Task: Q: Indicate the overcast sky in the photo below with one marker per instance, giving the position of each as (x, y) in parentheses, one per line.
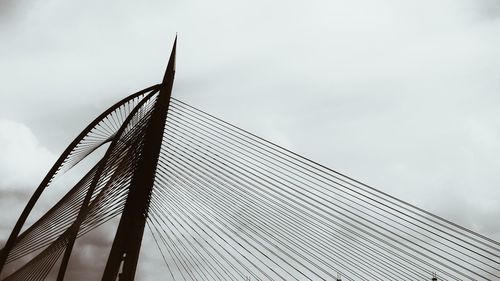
(402, 95)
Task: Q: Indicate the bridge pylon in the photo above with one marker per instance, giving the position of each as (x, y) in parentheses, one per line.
(127, 243)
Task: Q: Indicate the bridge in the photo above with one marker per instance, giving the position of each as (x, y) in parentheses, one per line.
(224, 204)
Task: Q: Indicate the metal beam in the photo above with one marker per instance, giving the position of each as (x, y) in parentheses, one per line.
(126, 246)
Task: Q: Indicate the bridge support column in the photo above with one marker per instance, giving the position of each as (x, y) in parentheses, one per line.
(127, 244)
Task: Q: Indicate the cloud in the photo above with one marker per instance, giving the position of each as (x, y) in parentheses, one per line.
(24, 161)
(7, 9)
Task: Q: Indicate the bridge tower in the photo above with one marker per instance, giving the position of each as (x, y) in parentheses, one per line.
(126, 246)
(127, 243)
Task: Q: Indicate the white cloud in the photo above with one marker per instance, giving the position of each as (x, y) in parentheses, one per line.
(23, 161)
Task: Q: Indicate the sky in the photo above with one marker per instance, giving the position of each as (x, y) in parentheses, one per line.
(402, 95)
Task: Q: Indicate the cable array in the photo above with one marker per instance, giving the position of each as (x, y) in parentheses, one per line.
(103, 130)
(52, 231)
(229, 205)
(38, 268)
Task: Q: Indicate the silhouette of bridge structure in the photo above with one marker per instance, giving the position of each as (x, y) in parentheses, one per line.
(224, 204)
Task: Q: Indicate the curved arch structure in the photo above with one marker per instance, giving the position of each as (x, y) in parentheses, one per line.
(134, 127)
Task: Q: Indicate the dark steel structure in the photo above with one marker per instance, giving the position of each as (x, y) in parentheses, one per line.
(126, 247)
(221, 203)
(127, 243)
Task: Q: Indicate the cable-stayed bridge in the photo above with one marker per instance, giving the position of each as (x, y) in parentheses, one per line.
(224, 204)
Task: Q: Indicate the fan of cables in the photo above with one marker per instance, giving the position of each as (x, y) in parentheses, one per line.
(229, 205)
(105, 186)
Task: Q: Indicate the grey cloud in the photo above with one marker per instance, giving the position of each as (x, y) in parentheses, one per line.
(8, 10)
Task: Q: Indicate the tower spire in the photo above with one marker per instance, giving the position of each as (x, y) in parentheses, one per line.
(170, 71)
(126, 247)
